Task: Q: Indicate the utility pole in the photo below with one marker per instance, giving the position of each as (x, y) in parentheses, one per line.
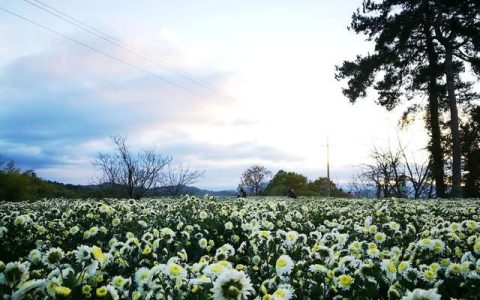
(328, 167)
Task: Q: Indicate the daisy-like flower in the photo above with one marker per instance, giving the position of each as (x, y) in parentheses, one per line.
(82, 253)
(372, 228)
(373, 252)
(404, 267)
(214, 270)
(476, 247)
(74, 229)
(203, 243)
(318, 268)
(455, 227)
(227, 249)
(101, 291)
(421, 294)
(429, 275)
(62, 291)
(389, 268)
(438, 246)
(283, 292)
(453, 269)
(380, 237)
(232, 284)
(425, 243)
(263, 234)
(174, 270)
(119, 282)
(344, 281)
(284, 265)
(229, 225)
(168, 234)
(35, 256)
(290, 238)
(116, 222)
(143, 276)
(99, 255)
(53, 257)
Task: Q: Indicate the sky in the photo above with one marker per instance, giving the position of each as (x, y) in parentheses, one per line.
(218, 85)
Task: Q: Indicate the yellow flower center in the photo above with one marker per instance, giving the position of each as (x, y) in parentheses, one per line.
(62, 291)
(101, 291)
(391, 267)
(279, 293)
(345, 280)
(218, 268)
(175, 269)
(281, 262)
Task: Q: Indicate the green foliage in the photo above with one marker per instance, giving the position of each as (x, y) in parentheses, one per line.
(23, 186)
(283, 181)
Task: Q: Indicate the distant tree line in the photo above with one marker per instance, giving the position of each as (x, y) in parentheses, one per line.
(256, 181)
(18, 185)
(123, 174)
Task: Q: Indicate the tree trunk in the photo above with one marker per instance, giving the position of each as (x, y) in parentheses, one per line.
(454, 125)
(435, 143)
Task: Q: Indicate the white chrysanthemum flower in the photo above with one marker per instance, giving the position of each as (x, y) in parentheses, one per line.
(380, 237)
(455, 227)
(429, 275)
(425, 243)
(82, 253)
(174, 270)
(202, 279)
(214, 270)
(35, 256)
(372, 228)
(318, 268)
(438, 246)
(373, 252)
(74, 229)
(53, 257)
(119, 282)
(476, 247)
(232, 284)
(283, 292)
(167, 234)
(421, 294)
(22, 220)
(203, 243)
(344, 281)
(290, 238)
(453, 270)
(93, 231)
(143, 276)
(389, 268)
(227, 249)
(264, 234)
(404, 267)
(284, 265)
(229, 225)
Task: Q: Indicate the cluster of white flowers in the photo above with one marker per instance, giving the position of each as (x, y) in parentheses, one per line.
(268, 248)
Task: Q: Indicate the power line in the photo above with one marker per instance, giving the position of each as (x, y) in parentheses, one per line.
(103, 53)
(120, 44)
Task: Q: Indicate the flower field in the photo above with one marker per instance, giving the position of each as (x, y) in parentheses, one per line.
(266, 248)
